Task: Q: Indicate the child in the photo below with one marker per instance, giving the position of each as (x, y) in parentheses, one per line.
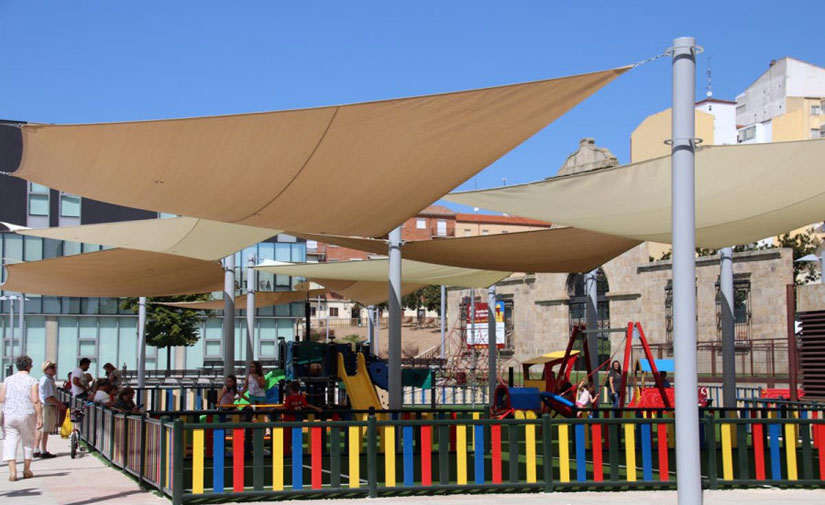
(585, 398)
(228, 394)
(296, 401)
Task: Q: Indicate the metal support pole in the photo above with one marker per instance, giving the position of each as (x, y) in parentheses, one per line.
(793, 358)
(377, 329)
(250, 313)
(141, 365)
(822, 266)
(688, 478)
(728, 337)
(591, 311)
(371, 328)
(11, 330)
(21, 323)
(308, 324)
(394, 303)
(443, 321)
(492, 349)
(228, 316)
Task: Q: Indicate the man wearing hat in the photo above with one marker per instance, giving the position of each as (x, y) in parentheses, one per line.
(51, 407)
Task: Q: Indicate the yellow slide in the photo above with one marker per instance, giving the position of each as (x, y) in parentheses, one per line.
(360, 389)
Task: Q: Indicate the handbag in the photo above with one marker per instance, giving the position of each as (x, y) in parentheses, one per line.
(66, 427)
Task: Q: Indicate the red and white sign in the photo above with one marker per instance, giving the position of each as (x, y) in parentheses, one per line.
(477, 337)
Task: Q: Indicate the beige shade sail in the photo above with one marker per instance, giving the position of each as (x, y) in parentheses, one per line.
(413, 272)
(365, 292)
(115, 273)
(182, 236)
(262, 169)
(553, 250)
(262, 299)
(744, 193)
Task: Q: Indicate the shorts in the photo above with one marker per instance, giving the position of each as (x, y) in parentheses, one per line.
(253, 399)
(49, 419)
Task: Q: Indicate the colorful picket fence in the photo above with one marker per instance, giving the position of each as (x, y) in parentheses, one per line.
(219, 456)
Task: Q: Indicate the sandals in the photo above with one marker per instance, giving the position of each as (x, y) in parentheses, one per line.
(27, 474)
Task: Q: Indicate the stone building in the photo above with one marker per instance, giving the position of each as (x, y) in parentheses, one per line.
(541, 308)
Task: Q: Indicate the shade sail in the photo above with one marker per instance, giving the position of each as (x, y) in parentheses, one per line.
(262, 169)
(413, 272)
(182, 236)
(115, 273)
(744, 193)
(365, 292)
(262, 299)
(553, 250)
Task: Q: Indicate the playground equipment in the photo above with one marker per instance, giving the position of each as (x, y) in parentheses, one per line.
(553, 391)
(360, 388)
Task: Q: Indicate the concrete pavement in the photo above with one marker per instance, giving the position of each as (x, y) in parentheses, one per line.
(86, 480)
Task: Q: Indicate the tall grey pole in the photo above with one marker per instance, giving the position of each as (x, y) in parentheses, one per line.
(591, 312)
(141, 365)
(394, 303)
(728, 337)
(688, 477)
(228, 316)
(492, 349)
(822, 266)
(371, 328)
(250, 312)
(378, 330)
(21, 323)
(11, 329)
(443, 321)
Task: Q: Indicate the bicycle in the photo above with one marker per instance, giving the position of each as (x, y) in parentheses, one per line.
(76, 415)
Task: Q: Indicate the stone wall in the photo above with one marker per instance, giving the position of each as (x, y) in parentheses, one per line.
(637, 292)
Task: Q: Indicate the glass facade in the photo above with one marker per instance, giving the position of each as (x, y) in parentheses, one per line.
(68, 328)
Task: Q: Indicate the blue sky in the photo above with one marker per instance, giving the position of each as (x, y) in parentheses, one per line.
(81, 61)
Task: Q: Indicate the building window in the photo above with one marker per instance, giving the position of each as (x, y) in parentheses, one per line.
(333, 312)
(441, 228)
(467, 232)
(816, 110)
(741, 309)
(69, 205)
(420, 224)
(485, 232)
(746, 134)
(38, 200)
(312, 311)
(814, 133)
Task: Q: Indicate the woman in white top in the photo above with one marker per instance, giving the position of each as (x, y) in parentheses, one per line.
(255, 383)
(22, 416)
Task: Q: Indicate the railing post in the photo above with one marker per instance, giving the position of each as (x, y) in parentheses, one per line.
(177, 462)
(710, 433)
(372, 457)
(125, 441)
(112, 436)
(164, 464)
(547, 451)
(142, 448)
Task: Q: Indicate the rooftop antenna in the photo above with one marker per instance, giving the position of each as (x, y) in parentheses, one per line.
(709, 87)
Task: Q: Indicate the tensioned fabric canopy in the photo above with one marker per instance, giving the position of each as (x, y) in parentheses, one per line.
(554, 250)
(262, 299)
(744, 193)
(414, 272)
(115, 273)
(261, 169)
(365, 292)
(182, 236)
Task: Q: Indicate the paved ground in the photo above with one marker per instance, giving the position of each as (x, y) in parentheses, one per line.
(87, 481)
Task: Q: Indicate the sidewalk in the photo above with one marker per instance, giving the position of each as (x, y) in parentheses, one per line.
(86, 480)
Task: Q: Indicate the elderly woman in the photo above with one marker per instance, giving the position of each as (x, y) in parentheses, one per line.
(22, 416)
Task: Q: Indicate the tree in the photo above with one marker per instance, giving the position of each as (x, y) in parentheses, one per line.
(802, 244)
(170, 326)
(428, 297)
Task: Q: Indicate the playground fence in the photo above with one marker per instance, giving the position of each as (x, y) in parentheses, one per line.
(214, 456)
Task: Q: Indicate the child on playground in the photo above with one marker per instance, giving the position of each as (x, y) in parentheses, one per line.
(585, 398)
(296, 401)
